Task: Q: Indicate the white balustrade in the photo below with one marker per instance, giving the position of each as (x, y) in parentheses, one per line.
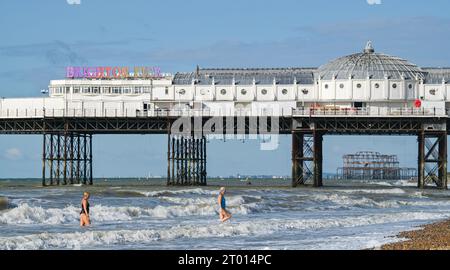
(297, 112)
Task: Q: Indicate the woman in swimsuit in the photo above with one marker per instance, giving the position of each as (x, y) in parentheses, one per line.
(223, 213)
(84, 214)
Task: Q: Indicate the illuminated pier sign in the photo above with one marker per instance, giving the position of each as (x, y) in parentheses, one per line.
(112, 72)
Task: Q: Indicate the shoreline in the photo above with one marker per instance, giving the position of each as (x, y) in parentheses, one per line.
(434, 236)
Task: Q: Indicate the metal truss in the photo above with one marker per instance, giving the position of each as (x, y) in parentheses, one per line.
(141, 125)
(370, 125)
(367, 165)
(307, 158)
(66, 159)
(432, 159)
(186, 161)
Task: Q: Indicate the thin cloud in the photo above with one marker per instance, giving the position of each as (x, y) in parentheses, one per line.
(13, 154)
(74, 2)
(374, 2)
(55, 53)
(76, 53)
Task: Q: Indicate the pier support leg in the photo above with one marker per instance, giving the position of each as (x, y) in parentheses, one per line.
(421, 160)
(318, 159)
(432, 159)
(66, 158)
(186, 161)
(298, 160)
(307, 158)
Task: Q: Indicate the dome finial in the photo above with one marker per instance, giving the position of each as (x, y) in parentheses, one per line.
(369, 47)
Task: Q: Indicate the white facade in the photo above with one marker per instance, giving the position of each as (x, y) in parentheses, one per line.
(224, 91)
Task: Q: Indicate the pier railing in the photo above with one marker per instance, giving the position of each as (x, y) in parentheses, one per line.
(371, 112)
(285, 112)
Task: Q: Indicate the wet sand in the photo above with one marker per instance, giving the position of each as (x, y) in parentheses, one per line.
(434, 236)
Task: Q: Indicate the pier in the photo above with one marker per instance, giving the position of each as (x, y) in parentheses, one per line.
(365, 93)
(68, 138)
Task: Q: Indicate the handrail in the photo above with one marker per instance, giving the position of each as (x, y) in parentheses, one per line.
(296, 112)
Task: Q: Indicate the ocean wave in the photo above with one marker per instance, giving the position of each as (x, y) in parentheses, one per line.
(159, 193)
(374, 191)
(405, 183)
(92, 239)
(339, 201)
(336, 201)
(27, 214)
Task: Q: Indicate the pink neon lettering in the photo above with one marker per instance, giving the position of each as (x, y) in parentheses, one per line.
(111, 72)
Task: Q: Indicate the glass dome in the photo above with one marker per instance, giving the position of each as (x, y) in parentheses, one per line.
(369, 64)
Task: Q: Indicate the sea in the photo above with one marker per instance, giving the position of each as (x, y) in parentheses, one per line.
(267, 215)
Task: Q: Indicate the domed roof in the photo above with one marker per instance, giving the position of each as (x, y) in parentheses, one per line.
(369, 64)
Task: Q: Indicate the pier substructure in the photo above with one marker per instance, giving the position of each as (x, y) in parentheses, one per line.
(307, 158)
(186, 161)
(432, 159)
(67, 159)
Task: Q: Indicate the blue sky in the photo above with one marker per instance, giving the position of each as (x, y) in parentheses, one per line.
(40, 38)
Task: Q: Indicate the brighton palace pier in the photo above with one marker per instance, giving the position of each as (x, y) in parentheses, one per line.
(366, 93)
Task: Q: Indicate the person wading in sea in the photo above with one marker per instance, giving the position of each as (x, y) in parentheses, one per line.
(223, 213)
(84, 214)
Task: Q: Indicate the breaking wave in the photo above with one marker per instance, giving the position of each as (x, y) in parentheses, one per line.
(375, 191)
(159, 193)
(91, 239)
(180, 207)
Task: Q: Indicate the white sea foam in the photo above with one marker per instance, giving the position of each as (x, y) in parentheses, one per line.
(26, 214)
(374, 191)
(337, 201)
(91, 239)
(405, 183)
(158, 193)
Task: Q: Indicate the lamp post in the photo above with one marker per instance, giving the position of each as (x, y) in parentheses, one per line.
(43, 92)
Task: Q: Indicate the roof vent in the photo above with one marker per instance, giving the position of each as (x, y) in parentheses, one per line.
(369, 48)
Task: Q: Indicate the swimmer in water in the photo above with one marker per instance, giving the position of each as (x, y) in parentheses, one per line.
(223, 213)
(84, 214)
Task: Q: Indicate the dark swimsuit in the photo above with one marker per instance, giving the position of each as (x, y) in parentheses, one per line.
(87, 208)
(223, 203)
